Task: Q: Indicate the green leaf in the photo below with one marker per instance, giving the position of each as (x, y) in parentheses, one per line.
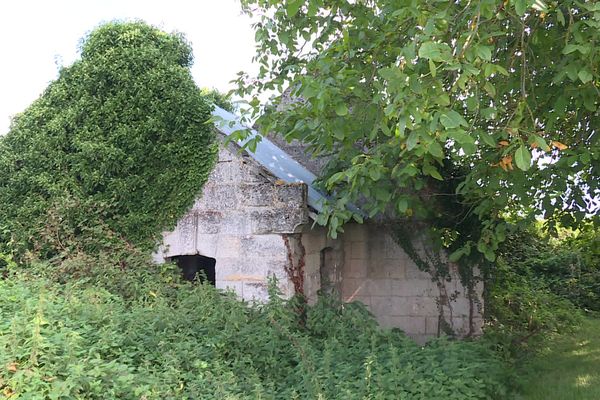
(309, 91)
(341, 109)
(461, 136)
(455, 256)
(452, 119)
(570, 48)
(436, 150)
(375, 174)
(585, 75)
(412, 140)
(430, 170)
(293, 6)
(432, 69)
(520, 7)
(402, 206)
(523, 158)
(443, 100)
(560, 17)
(490, 89)
(487, 139)
(439, 52)
(541, 143)
(484, 52)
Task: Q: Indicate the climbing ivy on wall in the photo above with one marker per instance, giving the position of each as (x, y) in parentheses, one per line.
(115, 150)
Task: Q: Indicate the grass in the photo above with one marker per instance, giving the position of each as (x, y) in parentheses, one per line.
(568, 369)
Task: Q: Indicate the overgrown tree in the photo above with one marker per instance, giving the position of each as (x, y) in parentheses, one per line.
(451, 112)
(115, 150)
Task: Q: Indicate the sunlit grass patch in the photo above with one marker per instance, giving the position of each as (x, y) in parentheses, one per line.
(569, 369)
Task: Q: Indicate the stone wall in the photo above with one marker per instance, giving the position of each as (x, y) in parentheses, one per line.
(257, 227)
(240, 220)
(374, 270)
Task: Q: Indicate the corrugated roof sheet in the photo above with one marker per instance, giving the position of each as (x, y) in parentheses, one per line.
(271, 157)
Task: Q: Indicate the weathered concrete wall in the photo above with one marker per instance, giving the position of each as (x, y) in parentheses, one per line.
(257, 227)
(374, 270)
(240, 220)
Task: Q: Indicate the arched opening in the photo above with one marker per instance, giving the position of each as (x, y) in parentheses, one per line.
(197, 266)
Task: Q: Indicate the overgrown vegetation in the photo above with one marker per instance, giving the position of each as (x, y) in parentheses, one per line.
(112, 153)
(506, 92)
(541, 287)
(147, 335)
(118, 147)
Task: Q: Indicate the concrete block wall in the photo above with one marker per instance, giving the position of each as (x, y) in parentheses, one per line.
(239, 220)
(378, 273)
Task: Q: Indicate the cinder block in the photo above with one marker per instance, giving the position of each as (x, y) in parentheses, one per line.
(314, 240)
(225, 172)
(413, 272)
(250, 172)
(225, 155)
(416, 288)
(228, 266)
(257, 194)
(290, 195)
(355, 268)
(235, 223)
(460, 306)
(206, 245)
(217, 196)
(381, 306)
(376, 269)
(182, 240)
(460, 325)
(352, 287)
(414, 306)
(393, 249)
(312, 263)
(359, 250)
(431, 325)
(209, 221)
(228, 246)
(230, 285)
(255, 291)
(281, 220)
(268, 246)
(355, 233)
(378, 287)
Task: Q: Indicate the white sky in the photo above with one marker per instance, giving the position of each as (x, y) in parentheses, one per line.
(37, 36)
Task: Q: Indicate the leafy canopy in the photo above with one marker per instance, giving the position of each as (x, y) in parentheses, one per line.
(491, 104)
(115, 149)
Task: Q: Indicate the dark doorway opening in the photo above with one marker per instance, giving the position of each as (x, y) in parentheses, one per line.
(197, 266)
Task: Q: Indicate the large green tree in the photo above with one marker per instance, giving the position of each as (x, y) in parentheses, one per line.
(115, 150)
(450, 112)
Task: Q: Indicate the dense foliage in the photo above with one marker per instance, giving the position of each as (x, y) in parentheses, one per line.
(112, 335)
(541, 286)
(568, 266)
(500, 97)
(115, 150)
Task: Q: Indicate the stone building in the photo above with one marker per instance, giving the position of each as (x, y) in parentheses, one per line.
(254, 221)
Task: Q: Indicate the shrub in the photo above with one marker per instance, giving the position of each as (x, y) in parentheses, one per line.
(150, 336)
(116, 149)
(524, 300)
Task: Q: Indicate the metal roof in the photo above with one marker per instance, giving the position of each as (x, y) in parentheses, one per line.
(271, 157)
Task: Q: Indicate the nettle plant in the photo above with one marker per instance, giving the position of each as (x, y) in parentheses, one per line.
(452, 113)
(114, 151)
